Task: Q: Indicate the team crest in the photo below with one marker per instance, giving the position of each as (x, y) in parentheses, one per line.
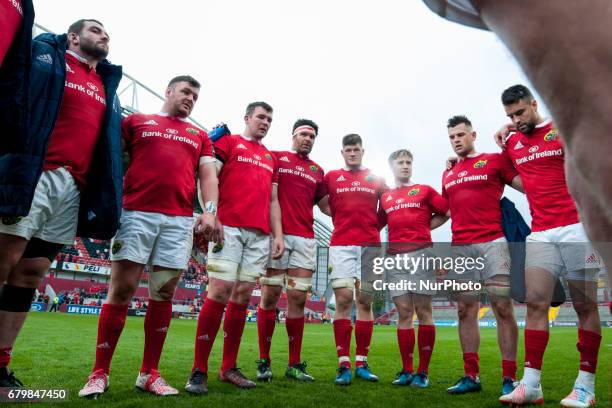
(313, 168)
(480, 164)
(193, 131)
(552, 135)
(117, 245)
(370, 178)
(11, 220)
(218, 247)
(413, 192)
(268, 156)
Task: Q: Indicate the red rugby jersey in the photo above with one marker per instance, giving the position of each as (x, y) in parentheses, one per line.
(300, 186)
(165, 154)
(408, 211)
(474, 187)
(11, 16)
(540, 159)
(245, 182)
(353, 201)
(78, 124)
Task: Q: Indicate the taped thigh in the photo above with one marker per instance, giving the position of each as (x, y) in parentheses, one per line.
(158, 279)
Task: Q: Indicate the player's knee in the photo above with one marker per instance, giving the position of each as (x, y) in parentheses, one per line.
(296, 298)
(467, 310)
(166, 292)
(584, 308)
(121, 292)
(424, 315)
(242, 292)
(503, 308)
(219, 290)
(162, 283)
(269, 300)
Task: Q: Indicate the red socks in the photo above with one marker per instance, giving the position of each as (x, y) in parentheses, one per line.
(156, 324)
(363, 337)
(295, 332)
(209, 321)
(110, 326)
(588, 346)
(509, 369)
(535, 345)
(405, 340)
(5, 356)
(470, 364)
(342, 334)
(427, 339)
(266, 320)
(233, 326)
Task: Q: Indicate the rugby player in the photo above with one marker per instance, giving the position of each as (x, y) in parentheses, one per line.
(354, 194)
(573, 73)
(474, 187)
(411, 211)
(68, 173)
(249, 212)
(557, 246)
(300, 186)
(156, 227)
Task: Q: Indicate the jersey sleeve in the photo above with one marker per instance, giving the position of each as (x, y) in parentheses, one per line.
(275, 171)
(381, 214)
(207, 152)
(223, 148)
(444, 192)
(127, 133)
(437, 203)
(507, 170)
(321, 189)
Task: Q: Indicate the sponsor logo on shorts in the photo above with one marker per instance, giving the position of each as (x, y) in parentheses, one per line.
(414, 192)
(11, 220)
(313, 168)
(268, 156)
(117, 245)
(533, 149)
(330, 268)
(480, 164)
(192, 131)
(552, 135)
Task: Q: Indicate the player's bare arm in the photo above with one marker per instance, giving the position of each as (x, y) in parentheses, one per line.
(278, 241)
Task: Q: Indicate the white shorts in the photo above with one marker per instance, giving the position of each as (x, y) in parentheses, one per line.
(563, 250)
(243, 255)
(54, 214)
(418, 275)
(353, 262)
(299, 252)
(487, 259)
(156, 239)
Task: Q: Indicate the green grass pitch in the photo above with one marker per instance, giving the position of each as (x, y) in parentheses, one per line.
(56, 351)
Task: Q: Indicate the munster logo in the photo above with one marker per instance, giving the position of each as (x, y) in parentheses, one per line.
(268, 156)
(193, 131)
(552, 135)
(480, 164)
(313, 168)
(413, 192)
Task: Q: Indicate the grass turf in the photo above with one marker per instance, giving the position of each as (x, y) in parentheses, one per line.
(56, 351)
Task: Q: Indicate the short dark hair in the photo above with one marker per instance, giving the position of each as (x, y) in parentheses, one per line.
(351, 139)
(184, 78)
(305, 122)
(515, 93)
(78, 25)
(457, 120)
(254, 105)
(399, 153)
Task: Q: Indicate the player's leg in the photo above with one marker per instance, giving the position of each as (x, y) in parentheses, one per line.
(574, 84)
(468, 307)
(222, 268)
(426, 338)
(298, 284)
(253, 265)
(271, 288)
(364, 328)
(170, 256)
(543, 265)
(405, 336)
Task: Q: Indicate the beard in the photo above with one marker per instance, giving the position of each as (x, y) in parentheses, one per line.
(90, 48)
(527, 128)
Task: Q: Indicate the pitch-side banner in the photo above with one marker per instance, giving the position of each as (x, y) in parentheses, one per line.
(79, 309)
(95, 269)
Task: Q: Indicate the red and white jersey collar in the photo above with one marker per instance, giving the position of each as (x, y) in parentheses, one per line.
(167, 115)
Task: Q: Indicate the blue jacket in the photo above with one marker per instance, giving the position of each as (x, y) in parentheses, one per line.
(21, 163)
(516, 231)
